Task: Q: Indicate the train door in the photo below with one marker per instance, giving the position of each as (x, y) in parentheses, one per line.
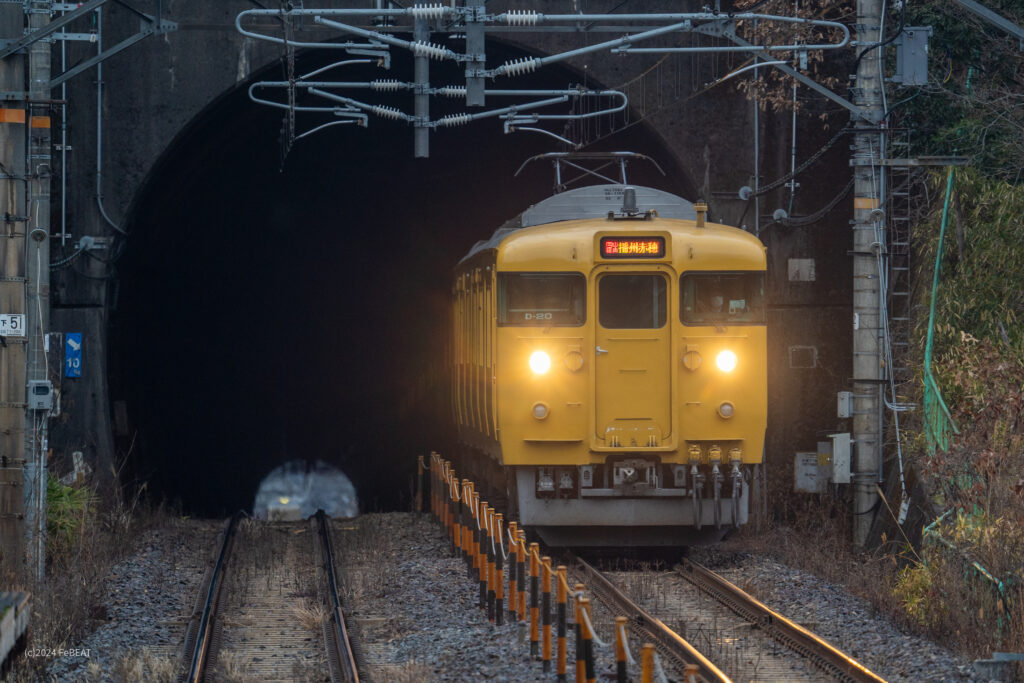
(633, 397)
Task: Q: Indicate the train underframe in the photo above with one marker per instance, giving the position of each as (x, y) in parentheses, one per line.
(633, 500)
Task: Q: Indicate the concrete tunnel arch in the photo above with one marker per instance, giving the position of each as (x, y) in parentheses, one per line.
(265, 315)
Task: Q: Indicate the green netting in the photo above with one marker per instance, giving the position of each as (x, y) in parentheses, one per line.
(938, 423)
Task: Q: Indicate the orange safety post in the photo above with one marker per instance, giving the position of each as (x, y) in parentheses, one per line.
(481, 556)
(534, 600)
(474, 531)
(467, 540)
(499, 570)
(440, 490)
(450, 504)
(545, 612)
(437, 489)
(513, 556)
(449, 512)
(456, 515)
(562, 595)
(588, 640)
(433, 487)
(521, 574)
(581, 667)
(492, 591)
(620, 649)
(467, 518)
(647, 663)
(577, 594)
(457, 521)
(419, 483)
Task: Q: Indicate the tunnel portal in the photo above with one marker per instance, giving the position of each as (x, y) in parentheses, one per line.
(267, 313)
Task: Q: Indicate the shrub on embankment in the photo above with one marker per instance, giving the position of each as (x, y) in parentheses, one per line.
(966, 585)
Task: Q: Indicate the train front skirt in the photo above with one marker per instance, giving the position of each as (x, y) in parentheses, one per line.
(603, 517)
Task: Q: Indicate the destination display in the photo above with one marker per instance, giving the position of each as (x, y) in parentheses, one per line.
(632, 247)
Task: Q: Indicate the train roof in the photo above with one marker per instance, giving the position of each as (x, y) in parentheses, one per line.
(592, 201)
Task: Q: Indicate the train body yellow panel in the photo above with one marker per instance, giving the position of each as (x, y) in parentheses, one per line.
(610, 371)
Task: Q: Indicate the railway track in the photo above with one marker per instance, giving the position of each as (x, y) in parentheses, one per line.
(816, 650)
(269, 607)
(720, 629)
(669, 644)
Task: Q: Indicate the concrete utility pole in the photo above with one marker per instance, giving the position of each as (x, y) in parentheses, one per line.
(421, 100)
(37, 253)
(867, 334)
(13, 193)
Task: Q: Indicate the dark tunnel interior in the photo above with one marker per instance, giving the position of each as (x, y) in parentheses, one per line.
(265, 315)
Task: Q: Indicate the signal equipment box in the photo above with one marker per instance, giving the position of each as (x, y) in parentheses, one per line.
(40, 394)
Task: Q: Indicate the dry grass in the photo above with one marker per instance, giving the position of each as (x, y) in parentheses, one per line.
(70, 601)
(310, 616)
(144, 666)
(368, 569)
(232, 667)
(823, 546)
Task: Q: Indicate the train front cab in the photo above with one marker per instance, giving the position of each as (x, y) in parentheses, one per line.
(674, 361)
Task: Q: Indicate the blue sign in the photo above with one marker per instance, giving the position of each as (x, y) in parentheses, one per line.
(73, 354)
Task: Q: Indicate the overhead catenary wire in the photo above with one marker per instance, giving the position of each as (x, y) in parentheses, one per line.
(820, 213)
(779, 182)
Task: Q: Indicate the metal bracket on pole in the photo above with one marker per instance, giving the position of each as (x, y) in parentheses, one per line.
(153, 27)
(53, 26)
(867, 115)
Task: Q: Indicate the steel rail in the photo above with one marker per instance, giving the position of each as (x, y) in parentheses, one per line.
(820, 652)
(339, 647)
(204, 634)
(666, 641)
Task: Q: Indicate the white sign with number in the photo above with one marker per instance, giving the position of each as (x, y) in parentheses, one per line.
(12, 325)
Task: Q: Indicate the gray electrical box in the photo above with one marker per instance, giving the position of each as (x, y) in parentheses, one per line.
(912, 55)
(40, 394)
(840, 458)
(811, 471)
(844, 407)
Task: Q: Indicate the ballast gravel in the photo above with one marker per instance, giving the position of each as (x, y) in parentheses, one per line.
(412, 610)
(846, 621)
(149, 597)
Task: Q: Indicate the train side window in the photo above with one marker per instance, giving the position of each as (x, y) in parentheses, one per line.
(722, 298)
(635, 301)
(542, 299)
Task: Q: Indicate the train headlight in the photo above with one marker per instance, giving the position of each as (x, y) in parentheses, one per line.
(540, 410)
(726, 361)
(726, 410)
(540, 362)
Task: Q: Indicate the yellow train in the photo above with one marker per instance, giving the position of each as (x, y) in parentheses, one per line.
(609, 362)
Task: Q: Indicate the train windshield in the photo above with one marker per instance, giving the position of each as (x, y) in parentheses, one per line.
(542, 299)
(722, 298)
(633, 302)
